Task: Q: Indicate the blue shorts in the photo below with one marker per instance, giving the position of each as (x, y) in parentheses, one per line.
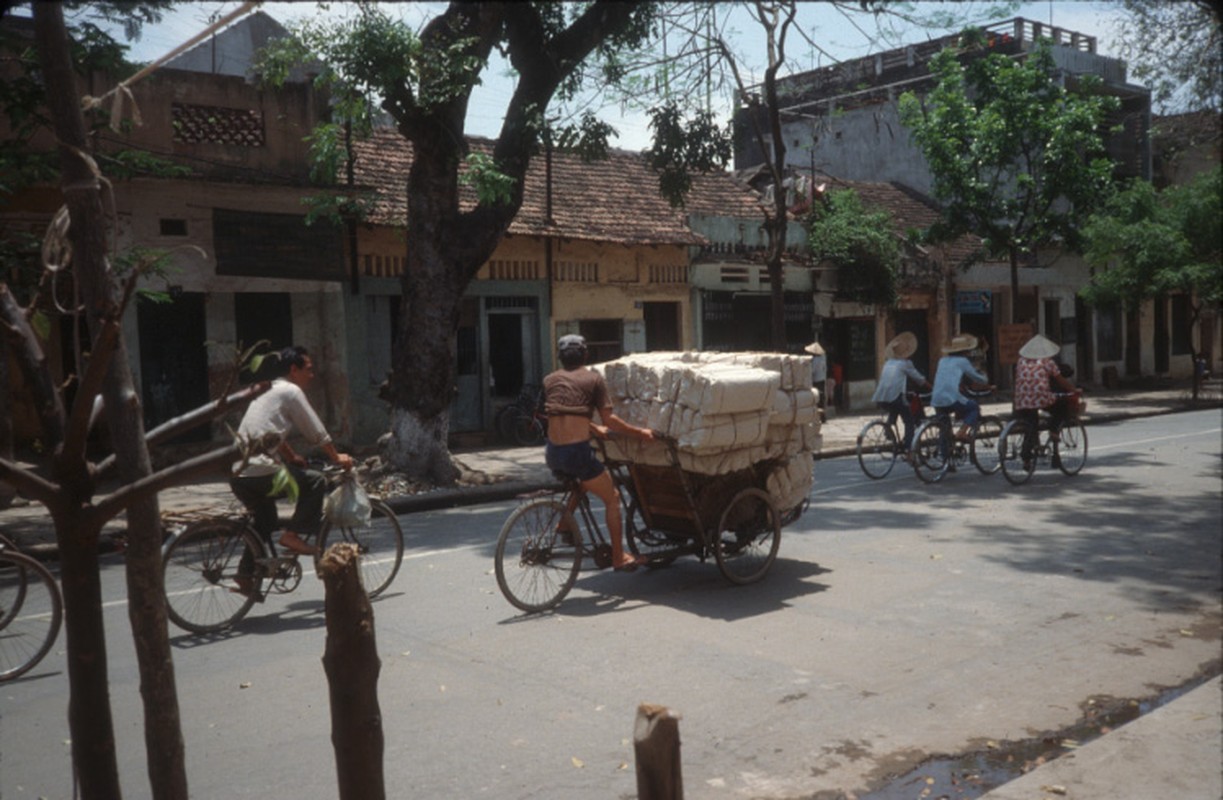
(575, 460)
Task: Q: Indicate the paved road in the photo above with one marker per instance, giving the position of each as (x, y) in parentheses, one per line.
(900, 621)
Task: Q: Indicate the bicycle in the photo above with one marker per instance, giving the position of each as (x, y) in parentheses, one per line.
(1062, 442)
(936, 451)
(880, 443)
(217, 568)
(524, 421)
(541, 547)
(31, 611)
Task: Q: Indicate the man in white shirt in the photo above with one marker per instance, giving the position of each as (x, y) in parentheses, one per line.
(282, 410)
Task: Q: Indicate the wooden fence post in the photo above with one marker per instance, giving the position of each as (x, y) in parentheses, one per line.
(351, 662)
(656, 746)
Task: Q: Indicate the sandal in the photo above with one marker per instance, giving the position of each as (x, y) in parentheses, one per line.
(294, 544)
(631, 565)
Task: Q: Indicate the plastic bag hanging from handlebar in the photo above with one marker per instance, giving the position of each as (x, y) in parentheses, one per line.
(347, 505)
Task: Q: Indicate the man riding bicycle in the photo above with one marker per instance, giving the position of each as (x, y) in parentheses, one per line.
(280, 411)
(571, 396)
(898, 370)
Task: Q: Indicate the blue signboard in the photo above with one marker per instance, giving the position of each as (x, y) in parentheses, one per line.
(978, 301)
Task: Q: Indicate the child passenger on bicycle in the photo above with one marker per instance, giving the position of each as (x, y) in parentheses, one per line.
(572, 395)
(954, 369)
(1036, 373)
(898, 370)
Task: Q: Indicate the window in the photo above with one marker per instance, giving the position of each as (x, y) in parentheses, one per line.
(261, 244)
(215, 125)
(603, 339)
(173, 227)
(1109, 329)
(1182, 344)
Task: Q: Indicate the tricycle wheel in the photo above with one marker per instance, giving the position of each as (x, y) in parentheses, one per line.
(748, 535)
(642, 541)
(539, 553)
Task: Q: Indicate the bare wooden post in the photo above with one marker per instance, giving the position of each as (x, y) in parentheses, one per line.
(656, 745)
(351, 662)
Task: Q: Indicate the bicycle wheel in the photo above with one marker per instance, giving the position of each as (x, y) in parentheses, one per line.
(877, 449)
(748, 536)
(538, 555)
(528, 429)
(33, 622)
(931, 450)
(984, 447)
(504, 422)
(379, 545)
(1015, 467)
(1071, 448)
(204, 567)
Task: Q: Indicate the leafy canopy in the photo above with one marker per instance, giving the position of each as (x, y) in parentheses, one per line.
(862, 243)
(1145, 243)
(1176, 48)
(1017, 158)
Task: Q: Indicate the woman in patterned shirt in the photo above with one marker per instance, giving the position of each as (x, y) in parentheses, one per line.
(1036, 374)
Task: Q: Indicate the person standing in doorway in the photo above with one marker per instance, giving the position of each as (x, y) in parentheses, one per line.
(819, 374)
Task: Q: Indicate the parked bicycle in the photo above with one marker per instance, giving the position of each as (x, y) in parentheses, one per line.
(1061, 442)
(31, 611)
(524, 421)
(880, 443)
(937, 451)
(217, 568)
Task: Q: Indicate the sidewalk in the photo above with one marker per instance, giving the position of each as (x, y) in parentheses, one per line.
(1174, 751)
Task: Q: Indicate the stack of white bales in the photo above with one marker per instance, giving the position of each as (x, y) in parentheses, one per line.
(727, 411)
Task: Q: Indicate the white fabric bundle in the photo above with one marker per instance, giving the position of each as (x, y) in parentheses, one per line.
(726, 411)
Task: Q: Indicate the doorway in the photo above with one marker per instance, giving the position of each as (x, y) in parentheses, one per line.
(173, 361)
(661, 326)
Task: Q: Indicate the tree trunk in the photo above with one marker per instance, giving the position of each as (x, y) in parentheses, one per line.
(163, 733)
(351, 662)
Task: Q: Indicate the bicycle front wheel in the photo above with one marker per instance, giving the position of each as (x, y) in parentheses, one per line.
(931, 451)
(1016, 467)
(1071, 448)
(539, 553)
(211, 578)
(984, 447)
(877, 449)
(379, 546)
(32, 614)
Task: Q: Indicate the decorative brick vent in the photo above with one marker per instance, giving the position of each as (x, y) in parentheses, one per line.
(215, 125)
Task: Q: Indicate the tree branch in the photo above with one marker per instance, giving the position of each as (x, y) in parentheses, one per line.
(33, 364)
(30, 485)
(200, 466)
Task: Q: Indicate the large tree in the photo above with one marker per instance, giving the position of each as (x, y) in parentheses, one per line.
(1145, 244)
(1016, 154)
(424, 82)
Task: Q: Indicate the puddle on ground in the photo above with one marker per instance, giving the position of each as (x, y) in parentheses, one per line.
(973, 774)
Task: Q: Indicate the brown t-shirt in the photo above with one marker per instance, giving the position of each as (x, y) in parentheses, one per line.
(579, 391)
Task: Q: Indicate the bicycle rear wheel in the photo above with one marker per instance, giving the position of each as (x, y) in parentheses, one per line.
(539, 553)
(931, 450)
(33, 620)
(1071, 448)
(748, 536)
(528, 429)
(984, 447)
(379, 545)
(211, 578)
(877, 449)
(1015, 467)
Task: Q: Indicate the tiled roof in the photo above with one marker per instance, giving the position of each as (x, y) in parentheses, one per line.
(611, 200)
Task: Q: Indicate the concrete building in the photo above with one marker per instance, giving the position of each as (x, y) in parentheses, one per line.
(843, 121)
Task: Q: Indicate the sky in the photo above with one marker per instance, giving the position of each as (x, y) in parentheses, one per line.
(839, 36)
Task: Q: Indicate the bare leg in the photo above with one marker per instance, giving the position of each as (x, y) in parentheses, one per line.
(602, 487)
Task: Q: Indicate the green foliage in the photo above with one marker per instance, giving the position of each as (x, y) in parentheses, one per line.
(284, 485)
(683, 146)
(863, 245)
(1176, 48)
(491, 186)
(1145, 244)
(137, 163)
(588, 138)
(1017, 159)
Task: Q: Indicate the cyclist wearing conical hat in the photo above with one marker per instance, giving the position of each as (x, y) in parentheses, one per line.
(954, 369)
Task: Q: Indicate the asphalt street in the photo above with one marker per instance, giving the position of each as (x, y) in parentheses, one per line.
(901, 622)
